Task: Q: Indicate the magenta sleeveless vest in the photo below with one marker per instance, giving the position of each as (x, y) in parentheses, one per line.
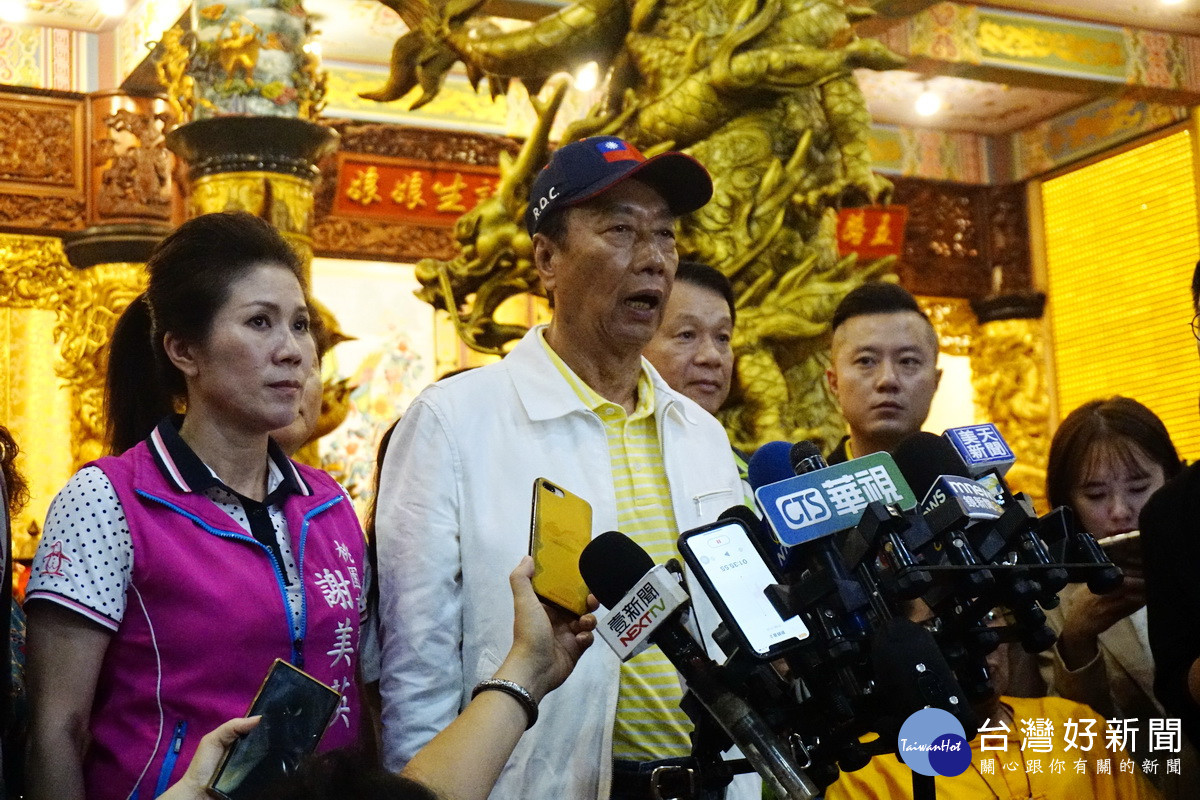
(206, 617)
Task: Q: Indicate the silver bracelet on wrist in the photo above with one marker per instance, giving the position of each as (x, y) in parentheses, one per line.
(514, 690)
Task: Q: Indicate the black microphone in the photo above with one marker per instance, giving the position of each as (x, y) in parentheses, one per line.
(613, 566)
(987, 457)
(957, 505)
(975, 530)
(911, 673)
(952, 503)
(806, 457)
(745, 514)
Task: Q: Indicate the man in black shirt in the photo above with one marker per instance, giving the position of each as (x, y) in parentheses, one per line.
(1170, 525)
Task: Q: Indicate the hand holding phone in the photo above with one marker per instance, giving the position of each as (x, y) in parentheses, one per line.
(1124, 549)
(560, 529)
(295, 709)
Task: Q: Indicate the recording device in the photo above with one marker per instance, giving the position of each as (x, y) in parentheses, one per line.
(651, 600)
(953, 504)
(1004, 538)
(848, 555)
(968, 546)
(735, 576)
(615, 567)
(561, 526)
(295, 708)
(844, 578)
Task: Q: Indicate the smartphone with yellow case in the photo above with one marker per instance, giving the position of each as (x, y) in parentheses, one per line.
(561, 527)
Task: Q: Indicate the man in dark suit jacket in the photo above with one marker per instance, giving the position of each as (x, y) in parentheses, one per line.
(1170, 524)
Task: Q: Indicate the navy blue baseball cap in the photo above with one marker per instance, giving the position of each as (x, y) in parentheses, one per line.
(581, 170)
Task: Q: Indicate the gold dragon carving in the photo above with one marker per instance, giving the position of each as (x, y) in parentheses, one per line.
(35, 273)
(1008, 375)
(1008, 382)
(83, 331)
(170, 66)
(760, 91)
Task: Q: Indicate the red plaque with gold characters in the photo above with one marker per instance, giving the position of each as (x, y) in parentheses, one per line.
(872, 231)
(404, 190)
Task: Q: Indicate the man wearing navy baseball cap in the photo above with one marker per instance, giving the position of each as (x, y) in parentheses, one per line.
(574, 402)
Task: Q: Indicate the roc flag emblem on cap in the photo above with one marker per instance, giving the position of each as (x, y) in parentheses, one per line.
(581, 170)
(618, 150)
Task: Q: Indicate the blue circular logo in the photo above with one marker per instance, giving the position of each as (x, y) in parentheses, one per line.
(932, 742)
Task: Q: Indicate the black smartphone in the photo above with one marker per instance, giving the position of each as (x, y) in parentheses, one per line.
(296, 708)
(735, 575)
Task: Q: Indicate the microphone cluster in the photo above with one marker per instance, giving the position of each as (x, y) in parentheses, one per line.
(880, 573)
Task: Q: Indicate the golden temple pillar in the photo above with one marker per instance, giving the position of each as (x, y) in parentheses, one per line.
(1008, 374)
(36, 285)
(263, 165)
(254, 91)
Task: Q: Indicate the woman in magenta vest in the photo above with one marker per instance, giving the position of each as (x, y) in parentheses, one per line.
(171, 574)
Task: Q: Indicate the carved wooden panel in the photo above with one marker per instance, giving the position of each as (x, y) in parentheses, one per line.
(353, 238)
(391, 241)
(423, 144)
(43, 140)
(29, 212)
(129, 160)
(1007, 237)
(41, 160)
(958, 235)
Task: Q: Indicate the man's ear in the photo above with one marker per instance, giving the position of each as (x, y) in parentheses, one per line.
(544, 249)
(832, 380)
(181, 353)
(937, 378)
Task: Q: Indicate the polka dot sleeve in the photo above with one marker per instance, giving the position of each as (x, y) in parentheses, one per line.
(85, 559)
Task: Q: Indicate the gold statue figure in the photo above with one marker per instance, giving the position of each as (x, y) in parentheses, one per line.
(312, 87)
(760, 91)
(1009, 380)
(171, 69)
(239, 51)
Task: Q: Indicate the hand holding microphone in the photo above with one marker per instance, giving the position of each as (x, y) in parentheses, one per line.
(624, 579)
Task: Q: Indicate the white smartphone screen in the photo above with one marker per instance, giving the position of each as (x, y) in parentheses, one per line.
(739, 576)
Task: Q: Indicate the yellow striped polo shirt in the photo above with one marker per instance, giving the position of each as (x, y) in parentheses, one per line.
(649, 724)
